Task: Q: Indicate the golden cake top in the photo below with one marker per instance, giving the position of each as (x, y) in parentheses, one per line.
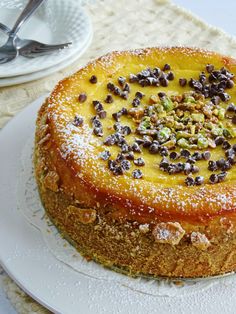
(157, 126)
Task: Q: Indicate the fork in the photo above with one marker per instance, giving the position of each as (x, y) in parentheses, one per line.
(31, 48)
(8, 51)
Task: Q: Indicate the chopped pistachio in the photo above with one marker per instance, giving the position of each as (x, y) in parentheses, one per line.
(183, 134)
(183, 143)
(192, 129)
(226, 133)
(164, 134)
(170, 144)
(159, 108)
(221, 114)
(167, 104)
(217, 131)
(198, 117)
(190, 99)
(202, 142)
(145, 123)
(154, 99)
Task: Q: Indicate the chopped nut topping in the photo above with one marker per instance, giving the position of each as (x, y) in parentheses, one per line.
(51, 181)
(168, 232)
(200, 241)
(84, 215)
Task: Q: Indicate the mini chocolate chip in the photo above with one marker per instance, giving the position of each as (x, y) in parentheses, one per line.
(121, 80)
(194, 169)
(137, 174)
(154, 148)
(209, 68)
(213, 178)
(189, 181)
(98, 131)
(163, 151)
(120, 157)
(93, 79)
(130, 156)
(133, 78)
(105, 155)
(199, 180)
(202, 78)
(97, 105)
(164, 164)
(226, 145)
(234, 147)
(96, 122)
(139, 162)
(185, 153)
(174, 155)
(110, 87)
(231, 160)
(187, 168)
(230, 84)
(156, 72)
(224, 96)
(102, 114)
(136, 148)
(110, 140)
(124, 95)
(222, 176)
(170, 76)
(219, 140)
(126, 88)
(220, 163)
(164, 82)
(109, 99)
(166, 67)
(139, 141)
(227, 165)
(139, 95)
(230, 153)
(78, 121)
(82, 97)
(126, 130)
(116, 116)
(117, 91)
(147, 141)
(197, 156)
(124, 111)
(212, 166)
(125, 164)
(118, 170)
(231, 108)
(136, 102)
(215, 100)
(161, 95)
(191, 160)
(234, 119)
(182, 82)
(125, 148)
(206, 155)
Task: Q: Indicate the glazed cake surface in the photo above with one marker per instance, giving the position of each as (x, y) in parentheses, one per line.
(134, 160)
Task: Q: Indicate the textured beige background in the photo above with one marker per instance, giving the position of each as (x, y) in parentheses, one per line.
(117, 25)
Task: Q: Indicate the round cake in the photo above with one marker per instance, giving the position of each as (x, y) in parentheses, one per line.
(135, 161)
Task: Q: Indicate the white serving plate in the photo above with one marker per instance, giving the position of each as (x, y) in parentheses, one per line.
(54, 22)
(9, 81)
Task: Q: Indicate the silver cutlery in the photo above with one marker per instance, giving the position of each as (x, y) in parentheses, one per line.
(32, 48)
(9, 51)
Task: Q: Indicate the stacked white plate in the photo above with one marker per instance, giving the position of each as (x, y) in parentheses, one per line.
(54, 22)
